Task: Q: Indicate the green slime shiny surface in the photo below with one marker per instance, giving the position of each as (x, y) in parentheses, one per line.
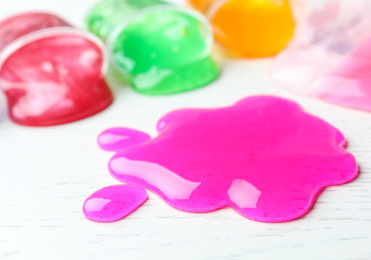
(164, 52)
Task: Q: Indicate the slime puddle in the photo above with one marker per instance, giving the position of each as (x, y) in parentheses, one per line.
(264, 157)
(113, 203)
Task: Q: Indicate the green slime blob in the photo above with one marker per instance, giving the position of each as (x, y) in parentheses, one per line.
(163, 50)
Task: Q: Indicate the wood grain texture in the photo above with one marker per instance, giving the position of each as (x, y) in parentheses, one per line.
(46, 173)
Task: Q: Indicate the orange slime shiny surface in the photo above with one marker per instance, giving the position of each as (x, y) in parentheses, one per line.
(250, 28)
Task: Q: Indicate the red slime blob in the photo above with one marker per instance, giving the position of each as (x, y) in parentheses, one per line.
(54, 76)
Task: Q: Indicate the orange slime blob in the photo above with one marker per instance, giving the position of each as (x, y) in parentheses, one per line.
(250, 28)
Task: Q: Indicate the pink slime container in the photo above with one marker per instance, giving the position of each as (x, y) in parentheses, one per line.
(52, 75)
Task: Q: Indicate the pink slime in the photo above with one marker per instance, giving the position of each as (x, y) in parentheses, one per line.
(349, 84)
(113, 203)
(264, 157)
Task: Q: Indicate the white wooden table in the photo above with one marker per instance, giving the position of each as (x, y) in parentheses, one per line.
(46, 174)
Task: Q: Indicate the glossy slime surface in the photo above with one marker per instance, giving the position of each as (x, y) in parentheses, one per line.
(165, 52)
(264, 157)
(254, 28)
(113, 203)
(22, 24)
(55, 80)
(330, 56)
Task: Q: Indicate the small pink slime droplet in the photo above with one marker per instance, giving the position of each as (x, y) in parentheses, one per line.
(116, 138)
(113, 203)
(264, 157)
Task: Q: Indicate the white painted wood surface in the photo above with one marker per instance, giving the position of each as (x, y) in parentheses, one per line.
(46, 173)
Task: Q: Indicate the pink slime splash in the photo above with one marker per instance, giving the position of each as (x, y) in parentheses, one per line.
(22, 24)
(330, 55)
(55, 78)
(264, 157)
(113, 203)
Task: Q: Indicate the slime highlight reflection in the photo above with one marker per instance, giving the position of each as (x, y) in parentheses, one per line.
(264, 157)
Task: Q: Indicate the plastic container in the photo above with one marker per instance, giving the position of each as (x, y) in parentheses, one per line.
(163, 49)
